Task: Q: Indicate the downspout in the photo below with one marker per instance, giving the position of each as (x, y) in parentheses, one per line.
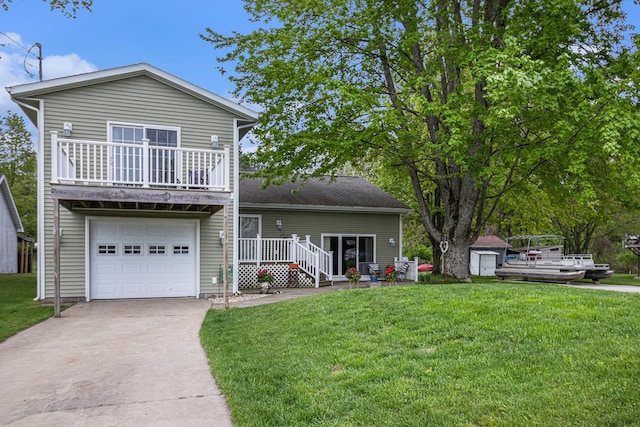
(236, 198)
(40, 291)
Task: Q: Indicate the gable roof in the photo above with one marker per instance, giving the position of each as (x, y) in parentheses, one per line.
(489, 242)
(5, 193)
(343, 193)
(30, 90)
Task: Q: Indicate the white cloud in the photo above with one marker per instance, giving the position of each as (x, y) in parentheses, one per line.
(65, 65)
(18, 67)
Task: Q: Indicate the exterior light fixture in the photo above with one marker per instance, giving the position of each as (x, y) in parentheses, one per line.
(67, 127)
(279, 224)
(392, 241)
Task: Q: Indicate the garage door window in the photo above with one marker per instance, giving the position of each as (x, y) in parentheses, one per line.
(156, 250)
(106, 249)
(132, 250)
(181, 250)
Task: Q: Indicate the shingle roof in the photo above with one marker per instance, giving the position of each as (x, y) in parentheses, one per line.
(489, 242)
(6, 193)
(342, 192)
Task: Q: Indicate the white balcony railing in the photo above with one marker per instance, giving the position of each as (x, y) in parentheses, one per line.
(310, 258)
(85, 162)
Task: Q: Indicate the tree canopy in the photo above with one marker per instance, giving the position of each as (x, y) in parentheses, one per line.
(464, 100)
(69, 8)
(18, 164)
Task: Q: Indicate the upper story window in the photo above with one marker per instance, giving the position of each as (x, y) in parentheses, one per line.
(127, 162)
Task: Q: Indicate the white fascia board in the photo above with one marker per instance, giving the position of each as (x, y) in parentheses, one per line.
(274, 206)
(111, 74)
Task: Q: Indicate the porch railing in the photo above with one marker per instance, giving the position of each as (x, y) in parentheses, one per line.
(310, 258)
(86, 162)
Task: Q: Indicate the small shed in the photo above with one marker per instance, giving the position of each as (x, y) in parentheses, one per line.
(491, 243)
(483, 263)
(10, 226)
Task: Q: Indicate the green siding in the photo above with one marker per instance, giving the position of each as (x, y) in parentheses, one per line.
(316, 223)
(138, 100)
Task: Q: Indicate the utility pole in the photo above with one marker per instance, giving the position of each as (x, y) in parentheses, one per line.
(39, 46)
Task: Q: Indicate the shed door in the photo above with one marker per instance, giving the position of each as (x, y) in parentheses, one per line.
(487, 265)
(143, 258)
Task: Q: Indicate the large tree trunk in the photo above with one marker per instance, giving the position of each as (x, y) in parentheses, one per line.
(456, 259)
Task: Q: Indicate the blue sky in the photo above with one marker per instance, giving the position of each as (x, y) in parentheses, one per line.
(164, 33)
(116, 33)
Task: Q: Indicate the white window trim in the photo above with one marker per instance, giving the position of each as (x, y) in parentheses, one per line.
(258, 216)
(357, 236)
(111, 124)
(144, 127)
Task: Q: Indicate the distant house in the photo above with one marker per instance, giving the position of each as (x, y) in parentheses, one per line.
(348, 218)
(491, 243)
(10, 226)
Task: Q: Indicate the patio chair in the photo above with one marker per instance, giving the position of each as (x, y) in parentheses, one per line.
(402, 271)
(197, 177)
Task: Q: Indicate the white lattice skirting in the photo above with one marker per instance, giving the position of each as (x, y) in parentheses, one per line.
(248, 276)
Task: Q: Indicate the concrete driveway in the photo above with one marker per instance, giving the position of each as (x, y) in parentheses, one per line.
(107, 363)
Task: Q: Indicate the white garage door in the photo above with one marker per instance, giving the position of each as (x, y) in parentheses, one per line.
(143, 258)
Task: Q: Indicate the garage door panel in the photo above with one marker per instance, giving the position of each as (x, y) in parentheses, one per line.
(158, 269)
(132, 230)
(157, 231)
(106, 230)
(106, 269)
(154, 259)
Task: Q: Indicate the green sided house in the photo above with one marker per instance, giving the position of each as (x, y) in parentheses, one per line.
(334, 224)
(137, 172)
(135, 167)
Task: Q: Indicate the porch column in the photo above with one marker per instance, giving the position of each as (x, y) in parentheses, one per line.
(317, 268)
(258, 250)
(225, 256)
(145, 162)
(54, 156)
(56, 258)
(227, 168)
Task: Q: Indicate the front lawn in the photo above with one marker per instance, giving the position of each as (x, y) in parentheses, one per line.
(18, 310)
(492, 354)
(618, 279)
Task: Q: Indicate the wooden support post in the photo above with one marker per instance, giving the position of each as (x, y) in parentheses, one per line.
(225, 255)
(56, 258)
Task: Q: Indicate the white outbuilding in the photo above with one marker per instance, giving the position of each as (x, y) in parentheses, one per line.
(10, 226)
(483, 263)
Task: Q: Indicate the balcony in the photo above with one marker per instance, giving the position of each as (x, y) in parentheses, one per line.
(138, 175)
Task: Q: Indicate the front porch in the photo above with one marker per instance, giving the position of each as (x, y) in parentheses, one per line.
(293, 262)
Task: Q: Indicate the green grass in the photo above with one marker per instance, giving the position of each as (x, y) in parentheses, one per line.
(493, 354)
(18, 310)
(618, 279)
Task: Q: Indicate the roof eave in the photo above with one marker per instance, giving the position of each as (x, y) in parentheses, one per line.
(30, 90)
(326, 208)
